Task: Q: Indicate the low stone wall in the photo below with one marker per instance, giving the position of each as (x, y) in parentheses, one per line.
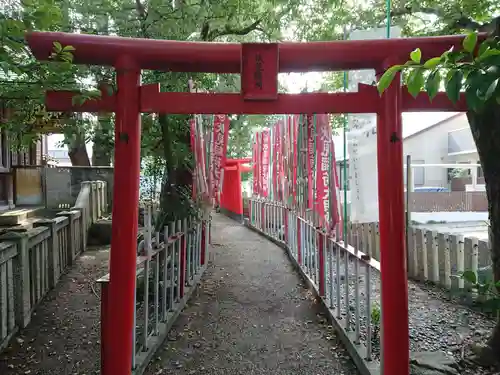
(432, 256)
(62, 184)
(32, 261)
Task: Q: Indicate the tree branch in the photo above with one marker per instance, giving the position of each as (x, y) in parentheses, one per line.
(409, 10)
(461, 23)
(211, 35)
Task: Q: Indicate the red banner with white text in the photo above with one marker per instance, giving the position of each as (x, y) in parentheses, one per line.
(219, 150)
(266, 149)
(255, 166)
(294, 162)
(310, 159)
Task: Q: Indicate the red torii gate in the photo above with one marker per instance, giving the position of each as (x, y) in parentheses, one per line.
(231, 194)
(259, 65)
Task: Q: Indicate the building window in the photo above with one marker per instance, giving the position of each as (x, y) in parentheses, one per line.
(480, 173)
(418, 173)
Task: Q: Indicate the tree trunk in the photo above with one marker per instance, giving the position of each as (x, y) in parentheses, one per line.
(486, 133)
(77, 150)
(79, 156)
(177, 180)
(102, 150)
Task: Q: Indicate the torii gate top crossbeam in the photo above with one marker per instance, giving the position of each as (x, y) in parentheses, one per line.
(168, 55)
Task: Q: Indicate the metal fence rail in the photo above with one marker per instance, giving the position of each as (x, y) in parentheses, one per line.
(345, 278)
(168, 270)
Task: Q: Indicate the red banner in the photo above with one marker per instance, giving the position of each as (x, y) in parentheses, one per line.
(274, 170)
(266, 139)
(335, 200)
(295, 157)
(289, 160)
(310, 159)
(259, 164)
(192, 127)
(221, 134)
(323, 140)
(255, 166)
(279, 160)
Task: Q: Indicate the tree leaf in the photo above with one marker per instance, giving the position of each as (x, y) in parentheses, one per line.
(432, 84)
(470, 277)
(432, 63)
(415, 81)
(454, 84)
(469, 42)
(57, 47)
(69, 48)
(483, 47)
(491, 89)
(473, 99)
(416, 55)
(488, 53)
(386, 79)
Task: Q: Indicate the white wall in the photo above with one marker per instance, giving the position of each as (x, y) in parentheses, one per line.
(471, 158)
(431, 147)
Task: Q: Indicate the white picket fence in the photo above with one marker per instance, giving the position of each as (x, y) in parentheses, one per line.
(432, 256)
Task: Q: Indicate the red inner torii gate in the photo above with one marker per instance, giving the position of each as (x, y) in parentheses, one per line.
(259, 65)
(231, 194)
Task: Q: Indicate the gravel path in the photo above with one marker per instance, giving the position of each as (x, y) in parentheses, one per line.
(436, 322)
(252, 315)
(63, 335)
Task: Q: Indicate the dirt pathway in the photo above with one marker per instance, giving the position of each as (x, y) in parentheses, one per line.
(63, 335)
(252, 315)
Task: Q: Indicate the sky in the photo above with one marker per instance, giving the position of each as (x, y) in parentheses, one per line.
(413, 122)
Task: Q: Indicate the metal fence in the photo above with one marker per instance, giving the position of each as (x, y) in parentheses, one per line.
(345, 277)
(168, 270)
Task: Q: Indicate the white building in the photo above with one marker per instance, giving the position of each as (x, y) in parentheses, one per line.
(447, 141)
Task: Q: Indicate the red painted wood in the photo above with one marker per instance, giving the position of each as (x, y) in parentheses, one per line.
(259, 71)
(168, 55)
(394, 281)
(62, 101)
(105, 328)
(125, 219)
(231, 197)
(236, 161)
(152, 101)
(187, 103)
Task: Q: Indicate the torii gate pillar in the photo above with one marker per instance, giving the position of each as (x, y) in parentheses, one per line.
(125, 218)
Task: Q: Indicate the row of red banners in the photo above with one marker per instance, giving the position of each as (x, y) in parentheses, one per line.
(300, 152)
(209, 149)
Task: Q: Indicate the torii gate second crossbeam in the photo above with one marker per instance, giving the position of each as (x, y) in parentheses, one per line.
(259, 65)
